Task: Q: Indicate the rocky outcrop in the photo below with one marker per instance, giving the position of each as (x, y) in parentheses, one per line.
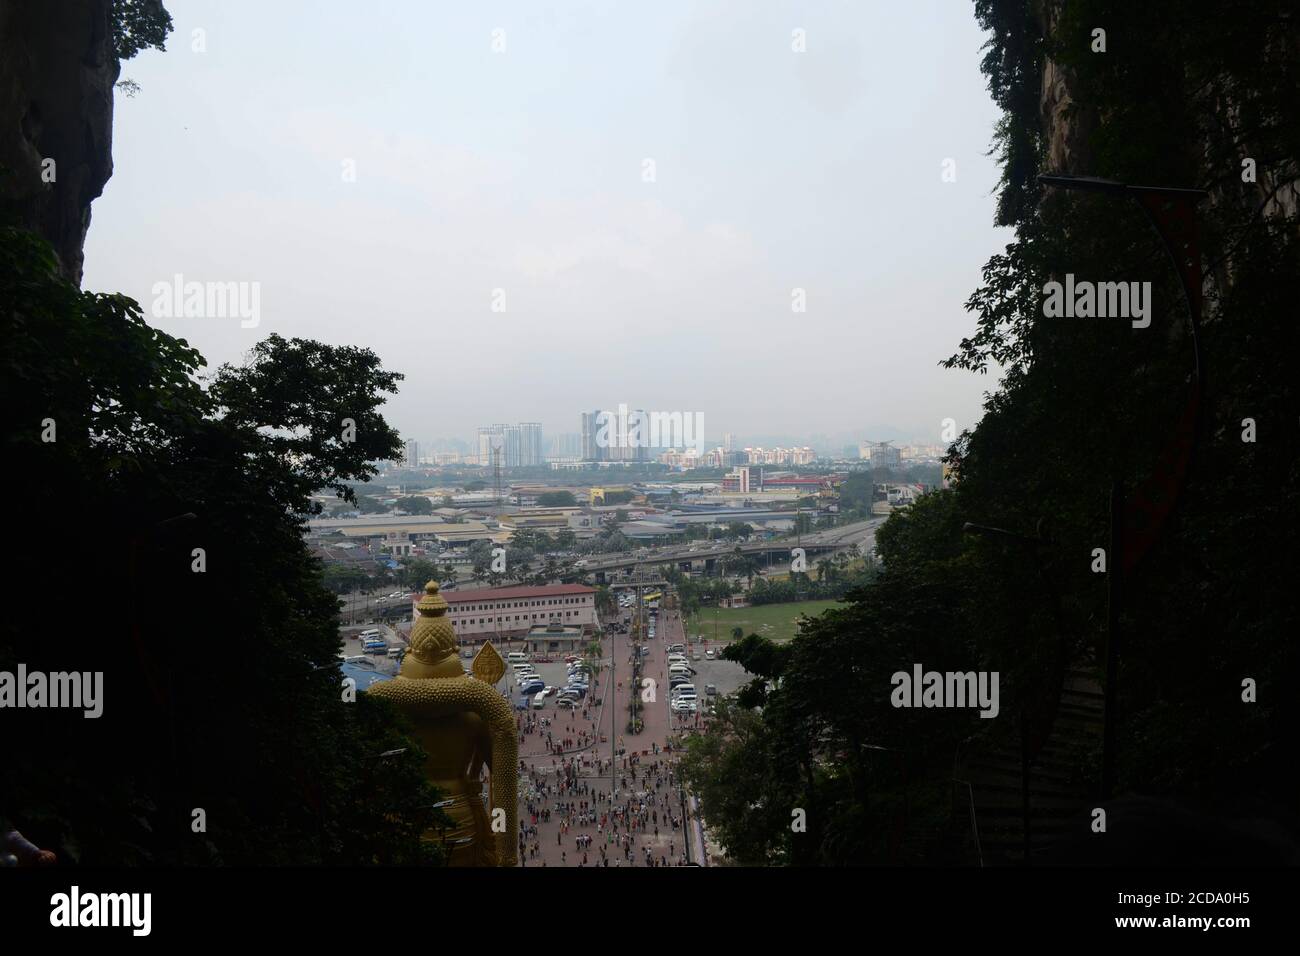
(57, 70)
(1064, 127)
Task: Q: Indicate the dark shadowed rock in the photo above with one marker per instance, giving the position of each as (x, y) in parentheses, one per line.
(57, 70)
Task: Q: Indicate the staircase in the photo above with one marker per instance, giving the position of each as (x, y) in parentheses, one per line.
(1057, 797)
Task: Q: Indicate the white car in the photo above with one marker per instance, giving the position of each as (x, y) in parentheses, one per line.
(684, 706)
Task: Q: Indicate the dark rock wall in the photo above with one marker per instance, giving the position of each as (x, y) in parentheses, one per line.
(57, 70)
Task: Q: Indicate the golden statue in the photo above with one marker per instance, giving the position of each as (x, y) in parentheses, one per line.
(463, 723)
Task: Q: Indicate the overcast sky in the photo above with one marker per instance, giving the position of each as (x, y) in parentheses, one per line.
(525, 170)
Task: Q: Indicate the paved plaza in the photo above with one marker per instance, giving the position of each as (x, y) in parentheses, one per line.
(591, 794)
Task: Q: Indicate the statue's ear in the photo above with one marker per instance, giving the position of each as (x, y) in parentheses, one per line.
(488, 665)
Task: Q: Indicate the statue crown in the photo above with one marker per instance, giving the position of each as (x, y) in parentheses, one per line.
(432, 636)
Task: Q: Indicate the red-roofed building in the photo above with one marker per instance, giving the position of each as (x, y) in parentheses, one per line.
(513, 611)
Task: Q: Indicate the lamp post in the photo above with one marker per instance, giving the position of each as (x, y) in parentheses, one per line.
(1135, 524)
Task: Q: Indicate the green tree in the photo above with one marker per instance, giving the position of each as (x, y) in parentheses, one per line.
(557, 499)
(415, 505)
(204, 487)
(416, 572)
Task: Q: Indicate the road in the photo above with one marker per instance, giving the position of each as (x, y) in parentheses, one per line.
(856, 533)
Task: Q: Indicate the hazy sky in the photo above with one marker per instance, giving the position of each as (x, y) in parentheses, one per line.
(524, 170)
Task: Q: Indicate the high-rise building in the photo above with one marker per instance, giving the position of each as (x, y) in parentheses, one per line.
(566, 446)
(620, 434)
(530, 444)
(882, 454)
(510, 441)
(412, 454)
(738, 480)
(491, 445)
(510, 446)
(591, 450)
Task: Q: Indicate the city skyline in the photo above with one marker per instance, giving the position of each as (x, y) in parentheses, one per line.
(732, 226)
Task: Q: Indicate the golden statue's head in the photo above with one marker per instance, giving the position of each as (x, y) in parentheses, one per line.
(432, 651)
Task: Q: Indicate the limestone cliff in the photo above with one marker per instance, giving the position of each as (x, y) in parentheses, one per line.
(1067, 124)
(57, 70)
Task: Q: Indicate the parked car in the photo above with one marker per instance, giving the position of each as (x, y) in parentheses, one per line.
(539, 701)
(528, 690)
(678, 679)
(709, 655)
(570, 702)
(683, 706)
(710, 690)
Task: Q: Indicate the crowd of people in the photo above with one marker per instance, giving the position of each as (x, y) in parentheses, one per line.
(566, 779)
(572, 794)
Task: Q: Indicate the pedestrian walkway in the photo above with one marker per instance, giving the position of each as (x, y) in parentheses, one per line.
(616, 801)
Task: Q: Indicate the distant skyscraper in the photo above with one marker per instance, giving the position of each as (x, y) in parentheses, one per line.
(566, 445)
(515, 445)
(412, 454)
(510, 442)
(728, 440)
(488, 436)
(530, 444)
(883, 454)
(591, 451)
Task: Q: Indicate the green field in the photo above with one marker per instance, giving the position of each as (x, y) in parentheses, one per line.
(775, 621)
